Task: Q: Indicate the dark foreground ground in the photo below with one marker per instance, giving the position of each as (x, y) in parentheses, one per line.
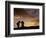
(32, 27)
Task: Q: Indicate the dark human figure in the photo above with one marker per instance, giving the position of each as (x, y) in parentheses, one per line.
(22, 23)
(18, 24)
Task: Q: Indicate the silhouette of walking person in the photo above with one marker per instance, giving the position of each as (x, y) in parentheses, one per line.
(22, 24)
(18, 24)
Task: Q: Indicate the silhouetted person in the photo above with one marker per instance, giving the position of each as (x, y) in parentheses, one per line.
(22, 23)
(18, 24)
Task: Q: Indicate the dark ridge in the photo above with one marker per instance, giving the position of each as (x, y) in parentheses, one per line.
(32, 27)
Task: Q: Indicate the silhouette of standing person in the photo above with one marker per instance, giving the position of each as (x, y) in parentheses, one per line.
(18, 24)
(22, 24)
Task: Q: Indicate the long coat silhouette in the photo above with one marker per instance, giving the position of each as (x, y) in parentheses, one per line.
(22, 23)
(18, 24)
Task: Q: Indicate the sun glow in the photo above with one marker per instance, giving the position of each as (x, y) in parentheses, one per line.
(27, 24)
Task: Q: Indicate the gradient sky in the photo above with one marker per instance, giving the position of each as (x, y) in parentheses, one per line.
(28, 12)
(29, 16)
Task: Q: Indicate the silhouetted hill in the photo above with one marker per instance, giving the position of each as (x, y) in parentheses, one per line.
(32, 27)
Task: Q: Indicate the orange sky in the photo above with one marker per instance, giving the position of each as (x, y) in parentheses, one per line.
(28, 21)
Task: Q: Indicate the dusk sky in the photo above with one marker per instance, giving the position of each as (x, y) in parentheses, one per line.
(28, 12)
(29, 16)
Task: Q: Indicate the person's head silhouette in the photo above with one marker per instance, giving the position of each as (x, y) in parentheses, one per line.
(18, 21)
(22, 21)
